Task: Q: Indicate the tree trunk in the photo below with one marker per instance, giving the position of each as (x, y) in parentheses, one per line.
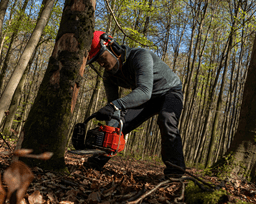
(58, 92)
(24, 59)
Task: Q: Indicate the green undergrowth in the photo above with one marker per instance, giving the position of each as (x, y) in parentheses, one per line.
(137, 157)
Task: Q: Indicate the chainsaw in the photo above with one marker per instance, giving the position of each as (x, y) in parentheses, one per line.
(103, 140)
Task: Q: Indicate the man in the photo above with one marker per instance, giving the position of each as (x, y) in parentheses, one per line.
(156, 89)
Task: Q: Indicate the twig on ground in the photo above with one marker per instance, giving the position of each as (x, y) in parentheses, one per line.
(182, 193)
(54, 185)
(137, 195)
(91, 179)
(69, 182)
(149, 192)
(205, 183)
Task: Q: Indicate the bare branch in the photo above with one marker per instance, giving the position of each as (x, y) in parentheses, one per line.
(120, 28)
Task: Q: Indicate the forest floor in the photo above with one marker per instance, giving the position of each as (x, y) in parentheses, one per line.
(123, 180)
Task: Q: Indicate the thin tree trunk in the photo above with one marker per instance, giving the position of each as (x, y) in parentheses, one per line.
(15, 100)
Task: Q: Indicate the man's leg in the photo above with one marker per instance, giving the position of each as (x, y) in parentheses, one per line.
(171, 141)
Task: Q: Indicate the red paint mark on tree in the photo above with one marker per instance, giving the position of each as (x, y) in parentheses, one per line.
(76, 88)
(78, 5)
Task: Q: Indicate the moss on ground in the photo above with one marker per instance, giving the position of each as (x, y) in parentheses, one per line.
(194, 195)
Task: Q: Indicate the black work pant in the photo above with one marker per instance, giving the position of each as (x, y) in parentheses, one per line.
(168, 107)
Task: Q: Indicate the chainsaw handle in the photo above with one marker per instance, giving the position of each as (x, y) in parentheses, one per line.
(94, 116)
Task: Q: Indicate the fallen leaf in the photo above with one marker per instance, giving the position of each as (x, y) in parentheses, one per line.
(22, 152)
(49, 174)
(52, 197)
(17, 177)
(2, 192)
(94, 198)
(35, 198)
(94, 185)
(43, 156)
(23, 201)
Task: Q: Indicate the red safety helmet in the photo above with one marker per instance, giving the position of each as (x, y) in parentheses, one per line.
(96, 47)
(100, 42)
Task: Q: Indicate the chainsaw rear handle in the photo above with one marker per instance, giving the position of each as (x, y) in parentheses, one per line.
(113, 117)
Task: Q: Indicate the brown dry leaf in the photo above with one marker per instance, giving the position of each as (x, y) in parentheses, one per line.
(23, 201)
(94, 185)
(51, 175)
(153, 201)
(52, 197)
(161, 199)
(17, 177)
(66, 202)
(94, 198)
(22, 152)
(43, 156)
(71, 195)
(2, 192)
(132, 179)
(35, 198)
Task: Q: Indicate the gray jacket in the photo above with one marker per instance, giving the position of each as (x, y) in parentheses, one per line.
(143, 72)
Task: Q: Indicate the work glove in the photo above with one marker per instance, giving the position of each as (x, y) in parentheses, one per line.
(106, 112)
(114, 122)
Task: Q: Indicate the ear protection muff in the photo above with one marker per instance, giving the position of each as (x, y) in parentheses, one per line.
(112, 44)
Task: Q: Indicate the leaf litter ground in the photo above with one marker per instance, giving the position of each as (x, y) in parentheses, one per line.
(123, 180)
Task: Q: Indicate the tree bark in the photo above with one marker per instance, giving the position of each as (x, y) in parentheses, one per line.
(58, 92)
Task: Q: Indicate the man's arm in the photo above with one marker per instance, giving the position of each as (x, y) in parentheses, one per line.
(110, 89)
(142, 64)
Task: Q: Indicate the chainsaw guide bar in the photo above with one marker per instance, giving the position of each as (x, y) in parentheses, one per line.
(87, 151)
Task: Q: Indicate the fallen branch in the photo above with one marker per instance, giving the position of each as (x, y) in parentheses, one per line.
(182, 193)
(205, 183)
(149, 192)
(91, 179)
(137, 195)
